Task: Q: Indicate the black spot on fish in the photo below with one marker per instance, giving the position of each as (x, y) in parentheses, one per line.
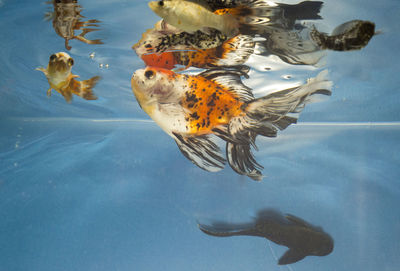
(195, 116)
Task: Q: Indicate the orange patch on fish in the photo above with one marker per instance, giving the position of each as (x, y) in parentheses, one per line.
(209, 104)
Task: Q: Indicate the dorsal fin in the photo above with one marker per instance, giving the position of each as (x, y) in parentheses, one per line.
(231, 80)
(298, 221)
(202, 3)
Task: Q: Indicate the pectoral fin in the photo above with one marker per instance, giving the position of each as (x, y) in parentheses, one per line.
(201, 151)
(291, 256)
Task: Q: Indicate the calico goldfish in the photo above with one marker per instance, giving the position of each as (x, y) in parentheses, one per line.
(60, 78)
(232, 52)
(192, 108)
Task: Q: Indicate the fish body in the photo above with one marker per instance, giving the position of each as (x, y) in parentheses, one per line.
(194, 15)
(232, 52)
(60, 78)
(191, 108)
(302, 238)
(184, 104)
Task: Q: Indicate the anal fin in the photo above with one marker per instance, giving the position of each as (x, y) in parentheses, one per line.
(201, 151)
(291, 256)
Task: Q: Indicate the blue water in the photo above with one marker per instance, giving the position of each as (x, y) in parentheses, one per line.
(96, 185)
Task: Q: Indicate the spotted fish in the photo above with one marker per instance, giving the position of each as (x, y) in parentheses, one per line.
(233, 52)
(164, 37)
(192, 108)
(60, 78)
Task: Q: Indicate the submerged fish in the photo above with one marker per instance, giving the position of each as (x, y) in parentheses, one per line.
(352, 35)
(190, 108)
(67, 19)
(302, 238)
(60, 78)
(232, 52)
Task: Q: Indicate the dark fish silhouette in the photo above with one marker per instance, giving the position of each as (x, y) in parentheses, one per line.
(302, 238)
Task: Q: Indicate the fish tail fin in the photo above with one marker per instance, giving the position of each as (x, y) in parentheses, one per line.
(82, 38)
(235, 51)
(266, 116)
(84, 88)
(306, 10)
(276, 111)
(242, 161)
(214, 231)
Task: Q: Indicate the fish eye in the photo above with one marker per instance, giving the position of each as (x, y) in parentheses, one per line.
(161, 3)
(70, 62)
(53, 57)
(149, 74)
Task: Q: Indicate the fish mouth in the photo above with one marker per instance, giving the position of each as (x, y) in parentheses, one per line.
(153, 5)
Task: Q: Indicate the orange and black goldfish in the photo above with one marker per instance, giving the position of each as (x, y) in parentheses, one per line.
(233, 52)
(60, 78)
(302, 238)
(191, 108)
(67, 19)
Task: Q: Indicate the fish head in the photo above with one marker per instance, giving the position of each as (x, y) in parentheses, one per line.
(162, 8)
(60, 64)
(152, 85)
(323, 245)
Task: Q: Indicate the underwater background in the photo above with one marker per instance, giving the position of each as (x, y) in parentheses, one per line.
(97, 185)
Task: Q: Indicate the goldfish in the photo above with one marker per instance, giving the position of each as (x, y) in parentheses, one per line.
(60, 78)
(192, 109)
(232, 52)
(302, 238)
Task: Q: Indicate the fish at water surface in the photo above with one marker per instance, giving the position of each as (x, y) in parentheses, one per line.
(192, 108)
(302, 238)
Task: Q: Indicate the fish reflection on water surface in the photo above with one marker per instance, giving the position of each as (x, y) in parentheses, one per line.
(302, 238)
(233, 52)
(60, 78)
(191, 108)
(66, 19)
(280, 25)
